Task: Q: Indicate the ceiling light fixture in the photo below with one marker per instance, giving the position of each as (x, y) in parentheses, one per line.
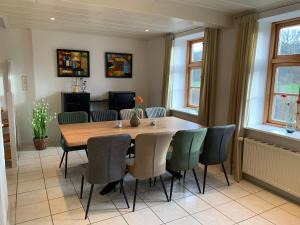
(52, 18)
(147, 30)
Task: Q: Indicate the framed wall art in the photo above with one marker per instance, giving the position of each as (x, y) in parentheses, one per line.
(118, 65)
(72, 63)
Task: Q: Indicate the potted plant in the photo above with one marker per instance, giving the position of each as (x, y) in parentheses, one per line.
(135, 120)
(40, 121)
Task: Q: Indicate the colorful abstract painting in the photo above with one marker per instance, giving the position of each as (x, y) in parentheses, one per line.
(72, 63)
(118, 65)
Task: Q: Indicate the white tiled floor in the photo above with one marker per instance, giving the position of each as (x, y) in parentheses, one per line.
(40, 195)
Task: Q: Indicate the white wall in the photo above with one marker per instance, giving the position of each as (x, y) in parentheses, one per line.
(49, 86)
(33, 55)
(15, 44)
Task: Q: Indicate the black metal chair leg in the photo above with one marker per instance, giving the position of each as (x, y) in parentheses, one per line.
(163, 185)
(89, 201)
(171, 189)
(66, 165)
(124, 194)
(86, 152)
(135, 192)
(150, 182)
(81, 188)
(154, 182)
(195, 175)
(204, 178)
(62, 159)
(225, 174)
(184, 174)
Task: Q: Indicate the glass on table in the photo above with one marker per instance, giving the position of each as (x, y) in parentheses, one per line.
(153, 122)
(118, 123)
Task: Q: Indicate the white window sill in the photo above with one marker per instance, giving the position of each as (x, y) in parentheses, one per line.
(189, 111)
(279, 131)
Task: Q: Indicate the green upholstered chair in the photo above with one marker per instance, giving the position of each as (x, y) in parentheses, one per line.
(69, 118)
(186, 150)
(104, 115)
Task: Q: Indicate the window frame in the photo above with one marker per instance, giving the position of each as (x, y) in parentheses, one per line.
(275, 61)
(189, 66)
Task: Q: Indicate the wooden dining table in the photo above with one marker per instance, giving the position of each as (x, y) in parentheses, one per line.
(78, 133)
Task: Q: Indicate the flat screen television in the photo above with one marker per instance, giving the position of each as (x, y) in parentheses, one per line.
(118, 100)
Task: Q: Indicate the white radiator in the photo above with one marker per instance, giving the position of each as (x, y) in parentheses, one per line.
(276, 166)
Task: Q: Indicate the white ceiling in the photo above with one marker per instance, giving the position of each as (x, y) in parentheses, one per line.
(236, 6)
(128, 18)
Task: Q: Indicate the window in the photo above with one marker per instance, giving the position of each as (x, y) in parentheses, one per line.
(283, 70)
(193, 72)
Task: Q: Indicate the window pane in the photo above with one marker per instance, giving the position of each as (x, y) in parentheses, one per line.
(280, 108)
(195, 78)
(289, 40)
(287, 79)
(197, 49)
(194, 96)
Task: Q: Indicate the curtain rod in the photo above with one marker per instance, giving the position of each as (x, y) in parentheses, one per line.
(191, 31)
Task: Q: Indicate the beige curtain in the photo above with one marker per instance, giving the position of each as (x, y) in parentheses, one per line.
(167, 78)
(245, 54)
(209, 77)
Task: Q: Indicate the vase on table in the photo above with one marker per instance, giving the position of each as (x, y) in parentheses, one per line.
(135, 120)
(291, 122)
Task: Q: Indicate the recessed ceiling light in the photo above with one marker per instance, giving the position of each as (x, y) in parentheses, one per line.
(147, 30)
(52, 18)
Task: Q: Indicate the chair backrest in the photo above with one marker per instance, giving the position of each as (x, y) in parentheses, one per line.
(104, 115)
(216, 144)
(155, 112)
(107, 158)
(150, 154)
(186, 149)
(72, 117)
(126, 114)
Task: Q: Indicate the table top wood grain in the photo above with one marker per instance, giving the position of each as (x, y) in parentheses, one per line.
(79, 133)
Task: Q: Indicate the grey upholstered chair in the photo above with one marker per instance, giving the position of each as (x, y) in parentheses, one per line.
(150, 158)
(104, 115)
(216, 148)
(186, 150)
(155, 112)
(126, 114)
(69, 118)
(106, 162)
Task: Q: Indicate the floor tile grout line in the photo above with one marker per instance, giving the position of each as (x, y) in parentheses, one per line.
(46, 190)
(119, 211)
(17, 198)
(78, 197)
(268, 211)
(192, 194)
